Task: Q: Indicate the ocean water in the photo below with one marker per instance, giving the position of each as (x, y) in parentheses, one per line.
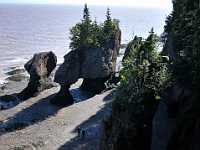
(29, 29)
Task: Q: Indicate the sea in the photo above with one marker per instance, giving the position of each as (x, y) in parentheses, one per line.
(29, 29)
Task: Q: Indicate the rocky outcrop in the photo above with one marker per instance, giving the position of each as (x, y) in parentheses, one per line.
(39, 68)
(176, 123)
(168, 49)
(110, 52)
(129, 126)
(131, 46)
(175, 102)
(94, 65)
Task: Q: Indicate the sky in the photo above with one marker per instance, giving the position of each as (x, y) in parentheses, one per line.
(163, 4)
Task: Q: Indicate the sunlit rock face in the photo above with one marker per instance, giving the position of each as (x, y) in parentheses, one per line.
(94, 65)
(39, 68)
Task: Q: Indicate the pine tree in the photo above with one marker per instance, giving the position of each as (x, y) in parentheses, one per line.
(109, 29)
(86, 15)
(108, 15)
(86, 28)
(108, 24)
(96, 32)
(81, 33)
(88, 34)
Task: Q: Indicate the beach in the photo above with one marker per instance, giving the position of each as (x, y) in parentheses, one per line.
(36, 124)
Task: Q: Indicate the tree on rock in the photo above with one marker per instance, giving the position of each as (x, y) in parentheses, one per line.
(109, 28)
(90, 34)
(81, 35)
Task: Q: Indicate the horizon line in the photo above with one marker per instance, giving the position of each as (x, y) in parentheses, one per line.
(89, 4)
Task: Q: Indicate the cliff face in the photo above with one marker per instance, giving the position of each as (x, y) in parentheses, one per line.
(130, 124)
(183, 41)
(175, 123)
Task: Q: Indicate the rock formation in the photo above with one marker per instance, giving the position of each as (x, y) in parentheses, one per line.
(110, 52)
(131, 46)
(174, 103)
(39, 68)
(94, 65)
(181, 113)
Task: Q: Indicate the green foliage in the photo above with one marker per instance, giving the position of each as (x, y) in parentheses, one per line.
(144, 69)
(86, 15)
(76, 36)
(81, 36)
(109, 28)
(144, 76)
(183, 26)
(90, 34)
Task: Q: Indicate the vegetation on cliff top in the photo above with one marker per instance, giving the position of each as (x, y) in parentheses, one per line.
(144, 75)
(182, 32)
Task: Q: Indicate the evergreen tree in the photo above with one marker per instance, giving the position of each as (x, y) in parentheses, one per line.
(96, 32)
(86, 17)
(81, 33)
(183, 30)
(109, 28)
(86, 14)
(86, 29)
(75, 36)
(108, 24)
(88, 34)
(150, 45)
(143, 79)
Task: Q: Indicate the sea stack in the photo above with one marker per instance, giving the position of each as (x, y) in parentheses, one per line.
(39, 68)
(94, 65)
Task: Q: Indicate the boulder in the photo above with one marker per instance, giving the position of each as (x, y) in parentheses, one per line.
(39, 68)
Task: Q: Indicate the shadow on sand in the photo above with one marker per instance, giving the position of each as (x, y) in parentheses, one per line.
(92, 128)
(11, 101)
(35, 113)
(39, 111)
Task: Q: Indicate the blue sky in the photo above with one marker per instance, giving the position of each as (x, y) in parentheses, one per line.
(164, 4)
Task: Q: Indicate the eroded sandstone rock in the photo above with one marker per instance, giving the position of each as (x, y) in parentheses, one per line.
(39, 68)
(94, 65)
